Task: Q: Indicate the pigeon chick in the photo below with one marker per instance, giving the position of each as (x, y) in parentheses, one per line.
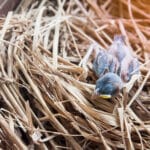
(129, 65)
(118, 48)
(104, 62)
(108, 85)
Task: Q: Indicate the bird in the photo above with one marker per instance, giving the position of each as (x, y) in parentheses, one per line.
(114, 67)
(106, 67)
(104, 62)
(108, 86)
(118, 48)
(129, 64)
(129, 67)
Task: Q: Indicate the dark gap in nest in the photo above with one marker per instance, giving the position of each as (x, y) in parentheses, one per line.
(27, 96)
(135, 137)
(48, 126)
(6, 143)
(91, 78)
(27, 43)
(67, 125)
(141, 111)
(88, 145)
(23, 77)
(111, 135)
(36, 4)
(3, 105)
(8, 34)
(68, 106)
(61, 141)
(65, 7)
(144, 134)
(46, 143)
(23, 135)
(54, 4)
(5, 46)
(48, 12)
(146, 88)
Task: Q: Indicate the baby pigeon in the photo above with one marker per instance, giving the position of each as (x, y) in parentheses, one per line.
(104, 62)
(108, 86)
(129, 65)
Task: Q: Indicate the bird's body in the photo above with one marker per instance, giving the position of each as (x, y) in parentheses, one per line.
(104, 63)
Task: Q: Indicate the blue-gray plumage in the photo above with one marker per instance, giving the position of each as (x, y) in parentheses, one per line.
(104, 63)
(134, 67)
(109, 84)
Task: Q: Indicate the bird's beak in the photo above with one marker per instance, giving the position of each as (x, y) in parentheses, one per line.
(105, 96)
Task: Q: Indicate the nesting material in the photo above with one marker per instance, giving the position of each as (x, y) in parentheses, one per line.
(46, 96)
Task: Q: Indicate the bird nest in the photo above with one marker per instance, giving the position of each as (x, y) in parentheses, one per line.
(45, 95)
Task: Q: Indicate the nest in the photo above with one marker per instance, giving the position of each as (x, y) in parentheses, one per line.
(45, 95)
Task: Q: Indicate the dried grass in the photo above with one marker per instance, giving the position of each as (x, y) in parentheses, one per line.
(46, 95)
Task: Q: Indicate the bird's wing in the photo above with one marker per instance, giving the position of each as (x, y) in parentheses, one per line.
(134, 67)
(114, 65)
(124, 68)
(101, 63)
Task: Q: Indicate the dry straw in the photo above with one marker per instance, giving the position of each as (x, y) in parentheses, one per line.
(46, 95)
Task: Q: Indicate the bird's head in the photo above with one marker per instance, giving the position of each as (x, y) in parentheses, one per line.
(119, 38)
(118, 47)
(108, 86)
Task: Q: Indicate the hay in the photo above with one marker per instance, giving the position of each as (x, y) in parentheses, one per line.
(46, 95)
